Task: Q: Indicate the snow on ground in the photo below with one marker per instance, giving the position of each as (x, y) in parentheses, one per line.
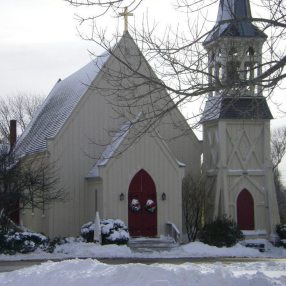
(91, 272)
(79, 249)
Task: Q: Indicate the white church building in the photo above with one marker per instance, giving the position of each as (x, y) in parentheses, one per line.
(109, 159)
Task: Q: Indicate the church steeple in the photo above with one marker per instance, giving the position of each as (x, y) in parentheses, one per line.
(234, 20)
(234, 48)
(236, 123)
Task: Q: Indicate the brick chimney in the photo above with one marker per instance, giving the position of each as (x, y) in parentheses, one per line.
(13, 133)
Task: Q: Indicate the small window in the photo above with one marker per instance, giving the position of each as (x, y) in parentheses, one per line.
(233, 71)
(233, 52)
(248, 71)
(250, 51)
(220, 73)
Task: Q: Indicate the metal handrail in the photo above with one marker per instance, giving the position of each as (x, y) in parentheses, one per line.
(173, 231)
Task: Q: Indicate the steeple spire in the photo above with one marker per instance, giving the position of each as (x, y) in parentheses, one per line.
(234, 20)
(233, 9)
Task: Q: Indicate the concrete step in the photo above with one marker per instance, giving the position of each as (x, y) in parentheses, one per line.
(143, 244)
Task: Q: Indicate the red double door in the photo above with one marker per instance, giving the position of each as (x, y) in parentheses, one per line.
(142, 206)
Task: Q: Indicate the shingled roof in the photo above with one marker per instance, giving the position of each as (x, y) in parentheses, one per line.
(234, 20)
(57, 108)
(226, 107)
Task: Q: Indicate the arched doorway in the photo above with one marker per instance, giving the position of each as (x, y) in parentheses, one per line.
(245, 210)
(142, 206)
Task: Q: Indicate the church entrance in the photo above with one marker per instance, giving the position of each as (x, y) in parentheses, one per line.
(142, 206)
(245, 210)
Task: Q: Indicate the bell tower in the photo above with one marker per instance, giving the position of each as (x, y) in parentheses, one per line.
(236, 123)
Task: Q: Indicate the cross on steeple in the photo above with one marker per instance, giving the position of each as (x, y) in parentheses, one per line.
(126, 14)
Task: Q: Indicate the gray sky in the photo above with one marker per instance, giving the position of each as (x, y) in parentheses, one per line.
(39, 44)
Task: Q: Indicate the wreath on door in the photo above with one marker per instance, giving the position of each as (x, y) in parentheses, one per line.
(135, 205)
(150, 206)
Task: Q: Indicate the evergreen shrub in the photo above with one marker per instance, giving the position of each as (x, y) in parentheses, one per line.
(281, 231)
(22, 242)
(223, 231)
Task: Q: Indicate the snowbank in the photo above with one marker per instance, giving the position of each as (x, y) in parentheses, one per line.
(91, 272)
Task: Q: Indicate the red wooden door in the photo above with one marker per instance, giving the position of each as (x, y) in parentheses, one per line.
(245, 210)
(142, 206)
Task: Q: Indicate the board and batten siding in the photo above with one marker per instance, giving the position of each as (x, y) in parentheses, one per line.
(79, 143)
(74, 151)
(237, 153)
(151, 155)
(182, 141)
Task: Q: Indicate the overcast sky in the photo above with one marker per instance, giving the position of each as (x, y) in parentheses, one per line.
(39, 43)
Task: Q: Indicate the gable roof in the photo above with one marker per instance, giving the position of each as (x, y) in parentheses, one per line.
(234, 20)
(111, 150)
(57, 108)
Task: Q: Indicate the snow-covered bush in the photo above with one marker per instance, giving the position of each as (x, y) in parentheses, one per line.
(112, 231)
(221, 232)
(22, 242)
(87, 231)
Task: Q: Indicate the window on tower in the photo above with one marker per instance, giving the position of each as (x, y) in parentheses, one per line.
(232, 70)
(233, 52)
(250, 51)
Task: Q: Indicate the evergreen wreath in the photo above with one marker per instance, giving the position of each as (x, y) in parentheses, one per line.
(135, 205)
(150, 206)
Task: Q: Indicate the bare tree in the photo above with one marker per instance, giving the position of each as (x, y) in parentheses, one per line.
(278, 151)
(28, 184)
(278, 146)
(20, 107)
(178, 57)
(281, 195)
(194, 202)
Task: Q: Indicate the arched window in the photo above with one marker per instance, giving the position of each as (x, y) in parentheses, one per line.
(233, 52)
(250, 51)
(233, 71)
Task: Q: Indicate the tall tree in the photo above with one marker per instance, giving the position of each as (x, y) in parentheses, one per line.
(194, 203)
(278, 146)
(278, 151)
(178, 56)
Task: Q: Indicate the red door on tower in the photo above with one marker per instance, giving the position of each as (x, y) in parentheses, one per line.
(142, 206)
(245, 210)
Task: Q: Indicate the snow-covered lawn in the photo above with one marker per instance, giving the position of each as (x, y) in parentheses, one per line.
(92, 272)
(79, 249)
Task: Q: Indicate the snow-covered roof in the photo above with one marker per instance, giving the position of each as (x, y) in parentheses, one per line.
(110, 150)
(238, 13)
(57, 108)
(227, 107)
